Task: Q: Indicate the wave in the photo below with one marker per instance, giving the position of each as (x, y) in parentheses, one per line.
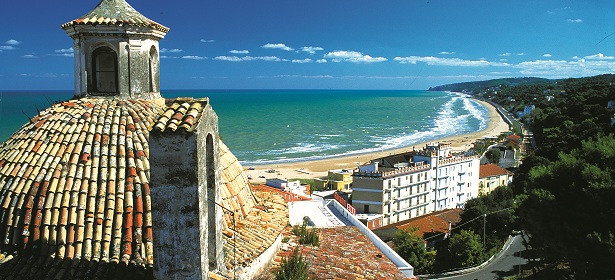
(458, 114)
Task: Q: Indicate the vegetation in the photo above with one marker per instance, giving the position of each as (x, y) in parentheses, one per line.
(411, 247)
(565, 188)
(466, 248)
(568, 208)
(482, 85)
(294, 267)
(307, 236)
(493, 155)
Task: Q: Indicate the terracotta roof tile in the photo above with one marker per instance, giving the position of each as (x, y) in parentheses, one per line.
(434, 222)
(343, 253)
(182, 114)
(113, 12)
(488, 170)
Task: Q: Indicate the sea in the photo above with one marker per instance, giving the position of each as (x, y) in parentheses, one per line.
(278, 126)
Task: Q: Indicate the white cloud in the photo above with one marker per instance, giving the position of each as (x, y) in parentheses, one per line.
(447, 52)
(511, 54)
(166, 56)
(352, 56)
(64, 52)
(565, 69)
(277, 46)
(430, 60)
(305, 76)
(578, 20)
(547, 55)
(69, 50)
(599, 56)
(194, 57)
(239, 51)
(207, 41)
(248, 58)
(12, 42)
(6, 48)
(321, 61)
(29, 56)
(307, 60)
(165, 50)
(228, 58)
(557, 10)
(311, 50)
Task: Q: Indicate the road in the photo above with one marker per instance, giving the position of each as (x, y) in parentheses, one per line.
(504, 266)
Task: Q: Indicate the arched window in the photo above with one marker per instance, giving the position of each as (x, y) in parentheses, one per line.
(104, 70)
(211, 195)
(153, 69)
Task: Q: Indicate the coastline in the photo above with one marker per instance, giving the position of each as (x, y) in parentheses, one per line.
(318, 168)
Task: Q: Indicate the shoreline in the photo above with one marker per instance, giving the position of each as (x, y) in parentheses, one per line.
(310, 169)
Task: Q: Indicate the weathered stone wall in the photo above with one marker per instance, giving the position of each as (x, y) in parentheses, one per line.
(132, 47)
(208, 128)
(185, 178)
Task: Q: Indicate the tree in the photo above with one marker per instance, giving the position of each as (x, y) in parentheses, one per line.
(466, 249)
(569, 212)
(501, 219)
(411, 247)
(493, 155)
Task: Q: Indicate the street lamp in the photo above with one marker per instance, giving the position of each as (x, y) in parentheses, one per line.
(484, 227)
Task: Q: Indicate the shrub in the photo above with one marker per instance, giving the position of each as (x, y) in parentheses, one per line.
(308, 236)
(294, 267)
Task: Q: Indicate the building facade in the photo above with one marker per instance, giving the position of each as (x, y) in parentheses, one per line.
(432, 179)
(492, 176)
(340, 180)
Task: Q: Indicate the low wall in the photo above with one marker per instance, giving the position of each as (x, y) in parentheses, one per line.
(259, 264)
(403, 266)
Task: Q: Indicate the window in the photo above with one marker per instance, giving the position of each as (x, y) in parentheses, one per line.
(366, 209)
(153, 68)
(104, 70)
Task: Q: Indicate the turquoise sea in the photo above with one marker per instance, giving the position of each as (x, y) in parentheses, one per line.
(274, 126)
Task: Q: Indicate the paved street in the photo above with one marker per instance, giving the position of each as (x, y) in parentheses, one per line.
(504, 266)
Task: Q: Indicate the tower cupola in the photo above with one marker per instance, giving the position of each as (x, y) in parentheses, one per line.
(116, 52)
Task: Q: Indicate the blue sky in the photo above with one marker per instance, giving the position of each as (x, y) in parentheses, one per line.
(328, 44)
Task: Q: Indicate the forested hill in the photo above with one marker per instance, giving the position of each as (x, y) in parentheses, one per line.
(474, 87)
(565, 188)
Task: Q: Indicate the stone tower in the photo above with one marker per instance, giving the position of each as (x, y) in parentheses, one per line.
(116, 52)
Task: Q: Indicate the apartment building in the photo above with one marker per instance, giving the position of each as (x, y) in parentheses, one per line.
(405, 186)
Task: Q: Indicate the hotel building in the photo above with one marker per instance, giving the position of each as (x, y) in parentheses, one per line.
(405, 186)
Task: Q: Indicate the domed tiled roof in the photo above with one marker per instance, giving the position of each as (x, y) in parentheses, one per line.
(115, 12)
(74, 185)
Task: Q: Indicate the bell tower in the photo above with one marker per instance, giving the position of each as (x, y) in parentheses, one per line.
(116, 52)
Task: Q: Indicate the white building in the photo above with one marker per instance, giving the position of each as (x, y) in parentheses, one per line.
(405, 186)
(286, 185)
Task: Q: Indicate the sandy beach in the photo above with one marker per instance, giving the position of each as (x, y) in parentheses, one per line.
(319, 168)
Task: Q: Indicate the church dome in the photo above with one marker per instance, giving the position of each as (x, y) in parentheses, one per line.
(74, 185)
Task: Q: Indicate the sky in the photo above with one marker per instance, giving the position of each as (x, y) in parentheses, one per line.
(328, 44)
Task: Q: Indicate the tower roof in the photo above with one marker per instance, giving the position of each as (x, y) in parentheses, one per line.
(115, 12)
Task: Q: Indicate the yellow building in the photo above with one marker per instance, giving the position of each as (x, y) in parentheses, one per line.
(340, 180)
(492, 176)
